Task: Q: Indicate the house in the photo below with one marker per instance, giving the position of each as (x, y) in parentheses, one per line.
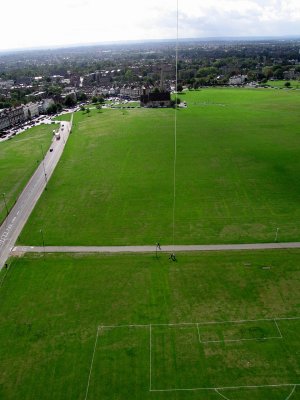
(156, 99)
(4, 120)
(31, 110)
(238, 80)
(44, 105)
(132, 92)
(11, 116)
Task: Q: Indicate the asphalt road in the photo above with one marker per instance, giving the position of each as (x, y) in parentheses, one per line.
(151, 249)
(15, 221)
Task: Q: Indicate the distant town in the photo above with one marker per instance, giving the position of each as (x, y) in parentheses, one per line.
(34, 83)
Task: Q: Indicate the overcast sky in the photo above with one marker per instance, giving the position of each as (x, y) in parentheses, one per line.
(33, 23)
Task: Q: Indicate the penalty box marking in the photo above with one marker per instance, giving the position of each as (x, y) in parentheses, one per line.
(238, 321)
(149, 326)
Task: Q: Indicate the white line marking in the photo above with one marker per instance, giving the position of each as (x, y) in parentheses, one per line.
(291, 394)
(241, 321)
(224, 397)
(92, 362)
(242, 340)
(279, 331)
(229, 387)
(199, 337)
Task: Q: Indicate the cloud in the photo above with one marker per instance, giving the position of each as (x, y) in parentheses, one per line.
(77, 21)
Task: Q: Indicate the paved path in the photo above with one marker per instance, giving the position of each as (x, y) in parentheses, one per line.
(16, 219)
(151, 249)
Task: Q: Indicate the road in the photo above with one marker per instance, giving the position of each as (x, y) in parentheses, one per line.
(151, 249)
(15, 221)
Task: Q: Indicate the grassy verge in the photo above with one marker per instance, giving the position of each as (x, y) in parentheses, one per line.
(18, 160)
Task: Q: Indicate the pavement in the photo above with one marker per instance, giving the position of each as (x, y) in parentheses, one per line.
(151, 249)
(18, 215)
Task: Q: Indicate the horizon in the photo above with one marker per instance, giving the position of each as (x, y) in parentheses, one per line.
(149, 41)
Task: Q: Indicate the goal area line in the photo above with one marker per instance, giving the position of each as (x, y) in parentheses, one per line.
(239, 321)
(279, 385)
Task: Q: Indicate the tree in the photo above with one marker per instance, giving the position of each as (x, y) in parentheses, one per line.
(179, 88)
(81, 96)
(52, 109)
(94, 99)
(287, 84)
(278, 74)
(70, 101)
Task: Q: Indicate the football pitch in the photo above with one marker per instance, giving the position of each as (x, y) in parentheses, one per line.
(209, 326)
(193, 357)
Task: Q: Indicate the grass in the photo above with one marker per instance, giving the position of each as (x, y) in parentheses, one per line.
(64, 117)
(281, 84)
(18, 160)
(51, 308)
(237, 174)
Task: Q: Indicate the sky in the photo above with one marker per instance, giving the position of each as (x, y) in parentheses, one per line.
(37, 23)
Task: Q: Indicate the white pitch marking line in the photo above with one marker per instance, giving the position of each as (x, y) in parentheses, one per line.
(291, 394)
(124, 326)
(224, 397)
(199, 337)
(278, 328)
(228, 387)
(242, 340)
(203, 323)
(92, 362)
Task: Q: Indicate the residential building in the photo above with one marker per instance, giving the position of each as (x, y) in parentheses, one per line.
(4, 120)
(44, 105)
(238, 80)
(31, 110)
(11, 116)
(8, 84)
(156, 99)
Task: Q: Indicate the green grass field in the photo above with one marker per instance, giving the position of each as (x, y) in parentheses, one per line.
(281, 84)
(18, 160)
(64, 117)
(237, 177)
(61, 337)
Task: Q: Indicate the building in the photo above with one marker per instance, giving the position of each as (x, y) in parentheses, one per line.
(156, 99)
(4, 120)
(291, 74)
(238, 79)
(11, 116)
(16, 115)
(44, 105)
(31, 110)
(131, 91)
(8, 84)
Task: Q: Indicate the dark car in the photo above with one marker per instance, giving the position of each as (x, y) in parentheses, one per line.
(51, 150)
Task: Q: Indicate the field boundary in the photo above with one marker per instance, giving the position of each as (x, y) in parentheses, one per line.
(197, 324)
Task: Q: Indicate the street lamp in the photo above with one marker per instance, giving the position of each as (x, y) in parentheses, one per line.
(4, 199)
(276, 234)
